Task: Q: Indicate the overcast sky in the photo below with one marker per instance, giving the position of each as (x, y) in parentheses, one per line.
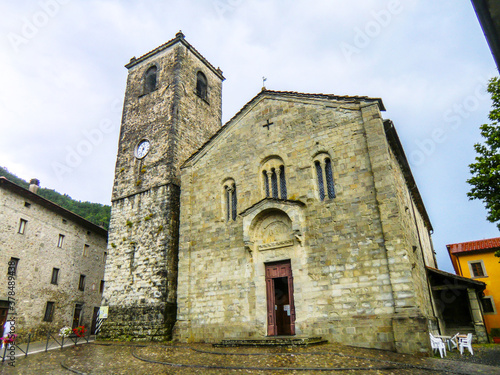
(62, 81)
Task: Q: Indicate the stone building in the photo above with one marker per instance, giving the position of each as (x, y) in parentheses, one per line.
(300, 216)
(58, 260)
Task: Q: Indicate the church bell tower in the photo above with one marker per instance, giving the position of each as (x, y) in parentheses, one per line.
(172, 106)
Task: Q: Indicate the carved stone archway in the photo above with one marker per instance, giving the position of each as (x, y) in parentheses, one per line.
(271, 229)
(272, 224)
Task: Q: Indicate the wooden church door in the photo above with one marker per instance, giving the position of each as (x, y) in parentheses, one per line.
(280, 304)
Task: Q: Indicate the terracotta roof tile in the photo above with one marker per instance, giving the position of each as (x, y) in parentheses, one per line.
(490, 243)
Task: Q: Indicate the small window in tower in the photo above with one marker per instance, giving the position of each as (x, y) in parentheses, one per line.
(201, 85)
(150, 80)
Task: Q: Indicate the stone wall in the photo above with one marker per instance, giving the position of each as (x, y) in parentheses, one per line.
(141, 273)
(38, 253)
(350, 265)
(415, 240)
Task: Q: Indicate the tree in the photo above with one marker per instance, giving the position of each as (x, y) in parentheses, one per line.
(485, 171)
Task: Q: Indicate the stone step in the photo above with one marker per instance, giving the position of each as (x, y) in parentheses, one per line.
(272, 341)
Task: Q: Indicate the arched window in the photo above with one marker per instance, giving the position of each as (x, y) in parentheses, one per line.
(274, 180)
(324, 176)
(282, 182)
(150, 80)
(234, 203)
(266, 183)
(230, 200)
(274, 183)
(201, 85)
(319, 175)
(329, 179)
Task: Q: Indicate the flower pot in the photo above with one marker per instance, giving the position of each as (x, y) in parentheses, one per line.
(496, 340)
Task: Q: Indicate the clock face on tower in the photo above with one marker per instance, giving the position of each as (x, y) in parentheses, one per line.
(142, 149)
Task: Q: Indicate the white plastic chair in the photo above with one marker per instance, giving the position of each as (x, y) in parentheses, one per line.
(465, 342)
(438, 344)
(453, 342)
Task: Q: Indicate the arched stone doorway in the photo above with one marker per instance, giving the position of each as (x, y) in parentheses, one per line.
(273, 236)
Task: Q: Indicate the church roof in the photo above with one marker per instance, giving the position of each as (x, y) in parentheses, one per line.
(179, 38)
(294, 94)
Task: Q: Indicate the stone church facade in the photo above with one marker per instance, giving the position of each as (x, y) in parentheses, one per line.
(300, 216)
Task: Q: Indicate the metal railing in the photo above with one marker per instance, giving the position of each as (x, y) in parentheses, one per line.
(52, 341)
(13, 345)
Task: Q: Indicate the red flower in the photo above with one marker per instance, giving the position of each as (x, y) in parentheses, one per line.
(79, 331)
(9, 339)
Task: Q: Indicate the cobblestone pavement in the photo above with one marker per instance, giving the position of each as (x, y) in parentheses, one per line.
(123, 358)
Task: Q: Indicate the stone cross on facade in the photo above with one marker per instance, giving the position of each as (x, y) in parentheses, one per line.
(267, 125)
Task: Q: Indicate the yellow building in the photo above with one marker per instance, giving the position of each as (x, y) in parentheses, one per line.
(476, 260)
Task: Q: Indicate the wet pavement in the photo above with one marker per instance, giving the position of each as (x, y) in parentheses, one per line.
(149, 358)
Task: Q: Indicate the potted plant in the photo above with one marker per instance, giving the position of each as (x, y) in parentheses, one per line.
(495, 333)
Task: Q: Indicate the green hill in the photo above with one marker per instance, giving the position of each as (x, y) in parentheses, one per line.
(96, 213)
